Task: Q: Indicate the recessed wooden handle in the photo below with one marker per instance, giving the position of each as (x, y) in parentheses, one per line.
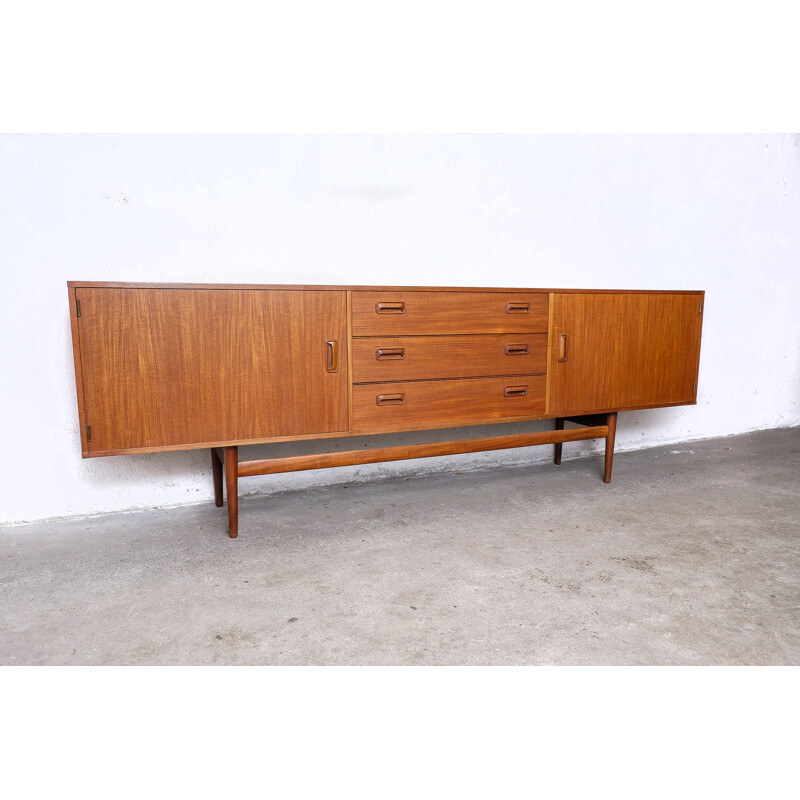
(515, 391)
(390, 399)
(518, 308)
(333, 356)
(516, 350)
(386, 353)
(390, 308)
(562, 347)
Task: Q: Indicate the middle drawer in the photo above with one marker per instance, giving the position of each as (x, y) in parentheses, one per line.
(409, 358)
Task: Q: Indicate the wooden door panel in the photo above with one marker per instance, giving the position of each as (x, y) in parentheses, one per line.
(168, 367)
(624, 351)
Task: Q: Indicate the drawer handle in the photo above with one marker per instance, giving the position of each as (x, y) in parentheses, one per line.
(390, 399)
(518, 308)
(516, 350)
(515, 391)
(383, 354)
(333, 356)
(390, 308)
(562, 347)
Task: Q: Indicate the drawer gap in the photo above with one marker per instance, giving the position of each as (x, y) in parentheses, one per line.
(437, 380)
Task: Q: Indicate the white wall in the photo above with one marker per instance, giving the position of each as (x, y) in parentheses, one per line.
(720, 213)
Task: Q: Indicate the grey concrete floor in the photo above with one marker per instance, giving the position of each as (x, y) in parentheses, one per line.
(690, 556)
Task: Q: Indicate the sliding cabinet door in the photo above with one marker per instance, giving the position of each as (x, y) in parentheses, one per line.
(166, 368)
(621, 351)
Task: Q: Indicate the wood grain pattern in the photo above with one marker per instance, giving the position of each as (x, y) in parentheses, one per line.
(441, 403)
(624, 351)
(165, 368)
(326, 287)
(448, 313)
(436, 357)
(221, 378)
(271, 466)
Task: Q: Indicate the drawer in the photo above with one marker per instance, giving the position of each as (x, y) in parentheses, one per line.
(441, 404)
(403, 313)
(407, 358)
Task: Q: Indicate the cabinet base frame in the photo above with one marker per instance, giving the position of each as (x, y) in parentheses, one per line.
(596, 426)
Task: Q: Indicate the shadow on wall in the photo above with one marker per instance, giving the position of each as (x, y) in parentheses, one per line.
(170, 470)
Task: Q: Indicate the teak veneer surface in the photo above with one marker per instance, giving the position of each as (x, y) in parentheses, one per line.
(172, 366)
(447, 312)
(446, 402)
(407, 358)
(354, 288)
(624, 351)
(185, 366)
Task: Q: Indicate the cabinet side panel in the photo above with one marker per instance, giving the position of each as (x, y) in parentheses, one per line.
(76, 355)
(624, 351)
(171, 367)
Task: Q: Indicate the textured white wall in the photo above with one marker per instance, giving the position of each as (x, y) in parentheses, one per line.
(720, 213)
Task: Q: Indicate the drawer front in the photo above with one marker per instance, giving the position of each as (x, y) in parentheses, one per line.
(402, 313)
(407, 358)
(440, 404)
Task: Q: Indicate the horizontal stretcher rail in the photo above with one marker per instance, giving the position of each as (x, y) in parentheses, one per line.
(271, 466)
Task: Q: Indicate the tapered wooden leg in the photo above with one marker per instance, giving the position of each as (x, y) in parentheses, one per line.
(611, 421)
(216, 467)
(557, 456)
(232, 489)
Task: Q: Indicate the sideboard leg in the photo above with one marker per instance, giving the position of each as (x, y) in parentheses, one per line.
(232, 489)
(557, 456)
(216, 467)
(611, 421)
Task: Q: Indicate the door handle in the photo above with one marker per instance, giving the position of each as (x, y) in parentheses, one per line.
(562, 347)
(384, 353)
(516, 350)
(333, 356)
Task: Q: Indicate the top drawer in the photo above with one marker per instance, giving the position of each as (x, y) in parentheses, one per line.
(405, 313)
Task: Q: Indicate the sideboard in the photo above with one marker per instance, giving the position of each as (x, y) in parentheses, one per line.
(185, 366)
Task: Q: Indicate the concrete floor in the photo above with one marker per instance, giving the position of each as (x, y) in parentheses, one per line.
(689, 557)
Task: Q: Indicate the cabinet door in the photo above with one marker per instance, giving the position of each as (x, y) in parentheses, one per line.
(166, 368)
(621, 351)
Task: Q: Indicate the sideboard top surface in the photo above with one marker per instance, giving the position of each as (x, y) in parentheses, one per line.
(340, 288)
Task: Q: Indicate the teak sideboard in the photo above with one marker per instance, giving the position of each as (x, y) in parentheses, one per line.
(186, 366)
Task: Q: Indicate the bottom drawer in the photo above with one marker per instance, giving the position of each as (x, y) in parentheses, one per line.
(438, 404)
